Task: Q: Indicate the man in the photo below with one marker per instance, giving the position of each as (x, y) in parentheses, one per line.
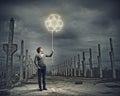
(40, 64)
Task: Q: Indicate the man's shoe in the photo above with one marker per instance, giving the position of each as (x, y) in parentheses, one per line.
(40, 89)
(44, 88)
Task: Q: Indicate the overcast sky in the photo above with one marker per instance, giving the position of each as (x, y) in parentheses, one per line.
(86, 24)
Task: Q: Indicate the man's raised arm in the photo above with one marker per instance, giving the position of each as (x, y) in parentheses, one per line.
(50, 54)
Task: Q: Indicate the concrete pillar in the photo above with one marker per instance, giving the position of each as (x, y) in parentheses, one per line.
(99, 61)
(21, 60)
(112, 59)
(71, 69)
(10, 49)
(75, 66)
(58, 69)
(90, 62)
(26, 65)
(64, 68)
(29, 67)
(79, 70)
(83, 65)
(31, 62)
(62, 72)
(67, 68)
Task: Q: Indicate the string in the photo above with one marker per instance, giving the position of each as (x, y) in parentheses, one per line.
(52, 46)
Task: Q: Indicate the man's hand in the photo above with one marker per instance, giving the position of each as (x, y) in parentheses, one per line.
(53, 50)
(39, 67)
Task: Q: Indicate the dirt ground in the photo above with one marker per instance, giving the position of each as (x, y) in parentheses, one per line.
(67, 86)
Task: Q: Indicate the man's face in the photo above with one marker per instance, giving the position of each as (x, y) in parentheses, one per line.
(41, 50)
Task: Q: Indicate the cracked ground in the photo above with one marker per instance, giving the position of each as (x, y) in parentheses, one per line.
(66, 86)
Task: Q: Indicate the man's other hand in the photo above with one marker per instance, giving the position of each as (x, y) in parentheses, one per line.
(39, 67)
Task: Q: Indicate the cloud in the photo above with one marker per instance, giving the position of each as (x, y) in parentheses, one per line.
(86, 23)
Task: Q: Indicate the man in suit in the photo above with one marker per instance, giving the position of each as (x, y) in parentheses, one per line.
(40, 64)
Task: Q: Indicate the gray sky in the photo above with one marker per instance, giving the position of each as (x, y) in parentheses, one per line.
(86, 23)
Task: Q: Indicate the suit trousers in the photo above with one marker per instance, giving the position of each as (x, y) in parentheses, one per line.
(42, 77)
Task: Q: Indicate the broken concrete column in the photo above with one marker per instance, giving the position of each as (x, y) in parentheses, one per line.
(29, 66)
(75, 66)
(83, 65)
(21, 60)
(26, 65)
(90, 62)
(68, 67)
(65, 68)
(79, 70)
(99, 62)
(71, 68)
(112, 59)
(10, 49)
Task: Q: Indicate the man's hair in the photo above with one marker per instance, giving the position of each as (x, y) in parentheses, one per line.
(38, 49)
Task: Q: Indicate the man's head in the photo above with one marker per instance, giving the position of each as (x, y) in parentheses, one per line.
(39, 50)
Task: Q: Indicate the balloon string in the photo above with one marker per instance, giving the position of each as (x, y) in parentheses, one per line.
(52, 40)
(52, 46)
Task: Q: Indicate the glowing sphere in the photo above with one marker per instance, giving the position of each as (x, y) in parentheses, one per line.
(54, 23)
